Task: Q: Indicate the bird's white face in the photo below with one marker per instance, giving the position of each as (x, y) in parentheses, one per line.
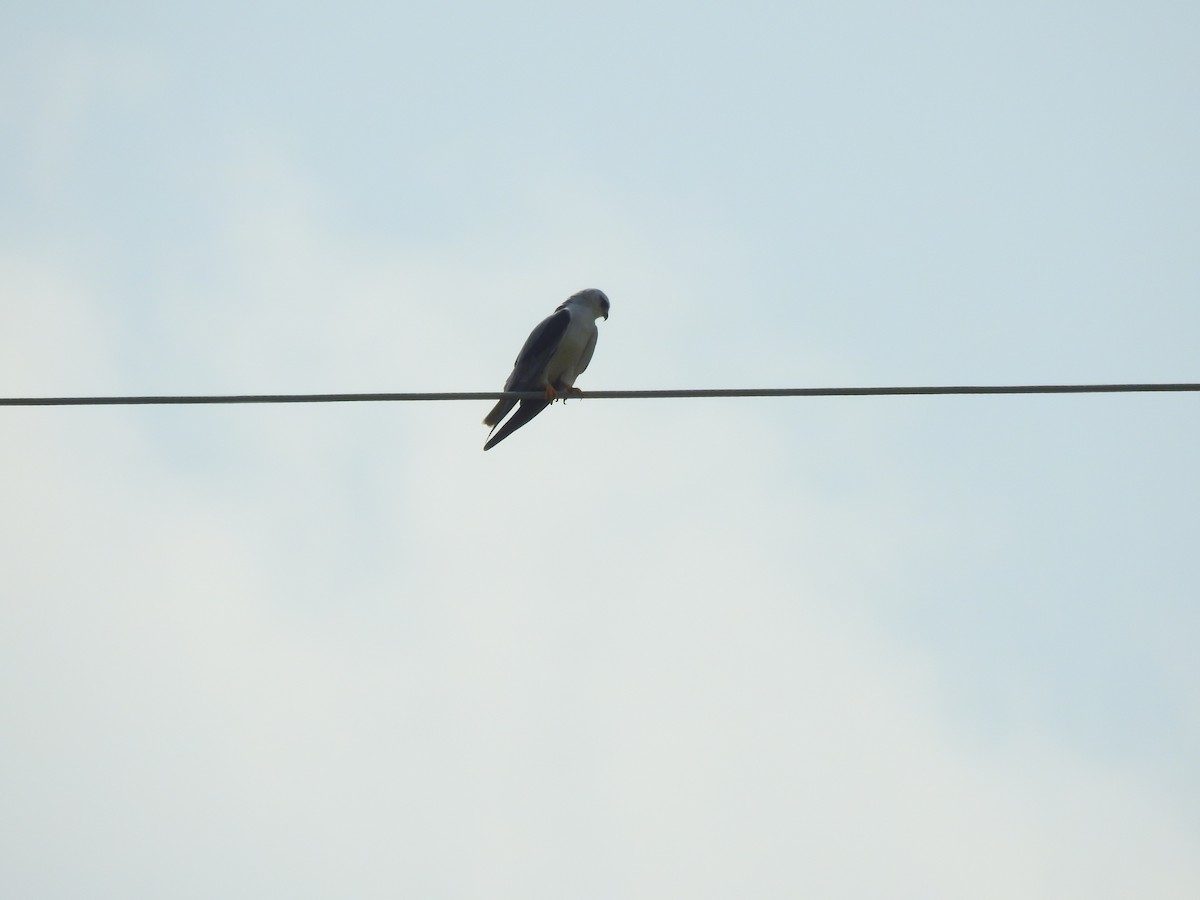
(594, 299)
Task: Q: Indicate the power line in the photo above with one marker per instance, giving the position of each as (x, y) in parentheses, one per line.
(215, 399)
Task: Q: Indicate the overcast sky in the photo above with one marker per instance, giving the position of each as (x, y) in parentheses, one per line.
(855, 648)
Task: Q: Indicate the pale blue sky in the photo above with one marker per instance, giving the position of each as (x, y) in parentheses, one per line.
(927, 647)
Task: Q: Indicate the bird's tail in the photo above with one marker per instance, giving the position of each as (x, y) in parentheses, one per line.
(527, 410)
(499, 411)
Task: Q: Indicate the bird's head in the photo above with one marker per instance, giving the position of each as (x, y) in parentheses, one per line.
(592, 299)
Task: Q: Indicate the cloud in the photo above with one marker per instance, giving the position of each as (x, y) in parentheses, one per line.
(52, 339)
(662, 704)
(317, 650)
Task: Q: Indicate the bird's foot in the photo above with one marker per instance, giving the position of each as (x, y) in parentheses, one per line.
(571, 392)
(551, 394)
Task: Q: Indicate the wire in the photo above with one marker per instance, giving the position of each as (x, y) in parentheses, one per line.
(213, 399)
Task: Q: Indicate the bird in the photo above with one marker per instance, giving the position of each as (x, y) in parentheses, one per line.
(556, 353)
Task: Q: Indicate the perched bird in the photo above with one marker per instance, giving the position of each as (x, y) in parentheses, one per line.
(555, 354)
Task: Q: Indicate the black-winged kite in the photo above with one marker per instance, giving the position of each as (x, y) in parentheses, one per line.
(555, 354)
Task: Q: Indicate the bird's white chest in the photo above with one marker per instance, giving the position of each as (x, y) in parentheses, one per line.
(565, 365)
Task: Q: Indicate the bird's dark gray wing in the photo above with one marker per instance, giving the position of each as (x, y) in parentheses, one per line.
(533, 358)
(539, 348)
